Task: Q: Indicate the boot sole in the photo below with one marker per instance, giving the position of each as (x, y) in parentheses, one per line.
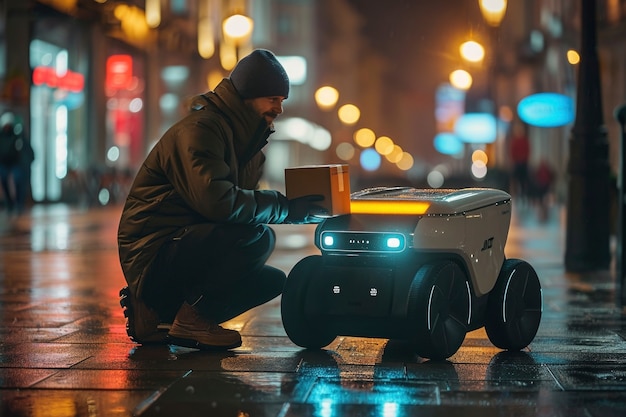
(157, 338)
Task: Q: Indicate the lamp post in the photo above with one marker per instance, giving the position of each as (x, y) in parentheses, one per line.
(493, 12)
(237, 30)
(588, 214)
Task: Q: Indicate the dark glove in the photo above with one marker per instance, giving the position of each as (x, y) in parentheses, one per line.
(304, 210)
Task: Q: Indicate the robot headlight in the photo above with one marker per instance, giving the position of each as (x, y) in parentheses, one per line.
(393, 242)
(375, 242)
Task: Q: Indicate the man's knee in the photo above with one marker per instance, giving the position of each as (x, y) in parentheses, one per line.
(257, 242)
(273, 280)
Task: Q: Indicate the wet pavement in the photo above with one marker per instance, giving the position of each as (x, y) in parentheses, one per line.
(64, 350)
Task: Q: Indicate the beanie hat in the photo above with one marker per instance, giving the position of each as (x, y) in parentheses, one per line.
(260, 75)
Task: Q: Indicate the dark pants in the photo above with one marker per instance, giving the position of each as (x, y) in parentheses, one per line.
(218, 268)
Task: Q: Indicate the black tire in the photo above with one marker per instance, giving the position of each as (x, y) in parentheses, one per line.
(439, 303)
(514, 306)
(300, 329)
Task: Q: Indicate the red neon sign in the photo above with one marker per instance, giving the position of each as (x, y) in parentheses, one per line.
(119, 72)
(70, 81)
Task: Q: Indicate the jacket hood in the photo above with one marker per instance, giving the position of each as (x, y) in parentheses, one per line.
(250, 130)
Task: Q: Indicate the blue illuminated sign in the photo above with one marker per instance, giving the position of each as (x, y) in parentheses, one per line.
(476, 128)
(546, 110)
(448, 143)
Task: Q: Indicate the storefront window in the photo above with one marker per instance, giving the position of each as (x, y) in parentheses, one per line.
(124, 90)
(55, 90)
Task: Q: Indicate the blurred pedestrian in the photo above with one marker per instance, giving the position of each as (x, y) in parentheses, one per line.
(542, 179)
(16, 157)
(193, 235)
(520, 153)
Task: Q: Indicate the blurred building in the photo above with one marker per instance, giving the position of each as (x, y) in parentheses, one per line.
(98, 81)
(545, 57)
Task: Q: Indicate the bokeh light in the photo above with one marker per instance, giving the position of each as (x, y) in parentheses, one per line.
(326, 97)
(461, 79)
(435, 179)
(472, 51)
(345, 151)
(237, 27)
(448, 143)
(505, 113)
(370, 160)
(364, 137)
(395, 155)
(113, 154)
(406, 162)
(480, 155)
(479, 169)
(349, 114)
(573, 57)
(476, 128)
(384, 145)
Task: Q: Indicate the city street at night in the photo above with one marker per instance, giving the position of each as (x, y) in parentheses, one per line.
(64, 350)
(312, 208)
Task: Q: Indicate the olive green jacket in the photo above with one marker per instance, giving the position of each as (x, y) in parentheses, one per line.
(205, 169)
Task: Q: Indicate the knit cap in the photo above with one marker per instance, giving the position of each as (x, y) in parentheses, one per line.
(259, 74)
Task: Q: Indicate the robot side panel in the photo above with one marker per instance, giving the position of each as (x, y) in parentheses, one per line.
(478, 236)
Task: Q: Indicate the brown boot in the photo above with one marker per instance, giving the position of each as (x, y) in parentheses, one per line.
(142, 323)
(192, 330)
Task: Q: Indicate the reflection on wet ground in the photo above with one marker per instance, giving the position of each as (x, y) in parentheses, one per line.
(64, 351)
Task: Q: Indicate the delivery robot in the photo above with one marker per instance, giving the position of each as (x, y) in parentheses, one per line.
(420, 265)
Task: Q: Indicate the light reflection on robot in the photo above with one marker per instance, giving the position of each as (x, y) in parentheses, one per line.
(425, 266)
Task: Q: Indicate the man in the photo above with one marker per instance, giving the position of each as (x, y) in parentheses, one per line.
(192, 238)
(16, 157)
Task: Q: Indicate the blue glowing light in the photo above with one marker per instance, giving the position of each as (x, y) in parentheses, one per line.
(370, 159)
(329, 240)
(476, 128)
(393, 242)
(546, 110)
(448, 143)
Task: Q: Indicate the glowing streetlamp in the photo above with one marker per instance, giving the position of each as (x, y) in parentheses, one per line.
(461, 79)
(493, 11)
(472, 51)
(237, 28)
(153, 13)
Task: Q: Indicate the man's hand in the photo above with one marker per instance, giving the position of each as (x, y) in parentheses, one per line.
(304, 210)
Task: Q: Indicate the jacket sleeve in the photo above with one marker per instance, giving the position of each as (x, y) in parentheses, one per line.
(200, 175)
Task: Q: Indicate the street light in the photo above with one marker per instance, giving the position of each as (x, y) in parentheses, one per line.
(472, 51)
(461, 79)
(493, 11)
(237, 30)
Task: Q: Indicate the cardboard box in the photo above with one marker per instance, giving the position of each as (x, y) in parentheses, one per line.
(332, 181)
